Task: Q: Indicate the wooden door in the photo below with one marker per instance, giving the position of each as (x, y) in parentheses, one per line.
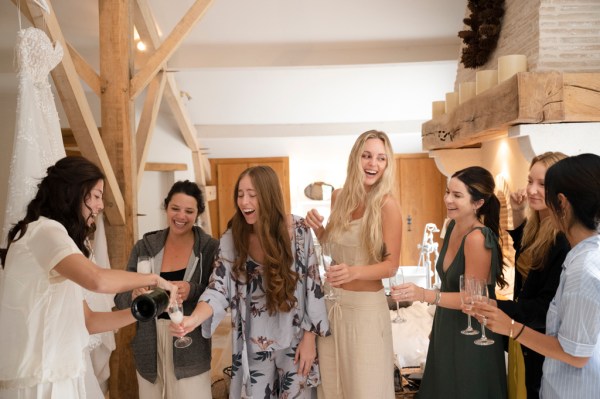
(421, 191)
(227, 175)
(224, 174)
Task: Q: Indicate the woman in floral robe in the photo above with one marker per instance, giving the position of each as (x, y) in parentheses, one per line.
(267, 273)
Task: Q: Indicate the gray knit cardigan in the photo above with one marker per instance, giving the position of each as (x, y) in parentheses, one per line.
(195, 359)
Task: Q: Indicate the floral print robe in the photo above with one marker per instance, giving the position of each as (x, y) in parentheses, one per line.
(255, 332)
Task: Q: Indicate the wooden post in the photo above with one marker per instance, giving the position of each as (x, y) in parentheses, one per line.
(117, 116)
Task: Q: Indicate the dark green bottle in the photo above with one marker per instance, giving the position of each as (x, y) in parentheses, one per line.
(148, 306)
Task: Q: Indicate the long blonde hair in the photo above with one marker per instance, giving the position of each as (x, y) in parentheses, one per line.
(279, 276)
(539, 234)
(353, 196)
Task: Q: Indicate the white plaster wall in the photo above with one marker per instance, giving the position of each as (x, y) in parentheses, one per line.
(315, 158)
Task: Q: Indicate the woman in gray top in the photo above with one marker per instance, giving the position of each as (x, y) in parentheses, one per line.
(184, 254)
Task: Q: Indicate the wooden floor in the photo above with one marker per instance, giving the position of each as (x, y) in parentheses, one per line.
(221, 358)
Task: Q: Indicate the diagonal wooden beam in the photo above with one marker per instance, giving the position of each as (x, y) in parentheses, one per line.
(188, 131)
(78, 111)
(85, 70)
(168, 47)
(146, 27)
(144, 23)
(147, 122)
(143, 20)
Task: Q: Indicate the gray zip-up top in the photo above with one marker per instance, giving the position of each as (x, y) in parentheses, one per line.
(195, 359)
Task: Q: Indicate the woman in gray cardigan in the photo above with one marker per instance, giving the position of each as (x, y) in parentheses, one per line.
(184, 254)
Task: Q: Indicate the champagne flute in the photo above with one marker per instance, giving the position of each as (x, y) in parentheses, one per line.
(175, 311)
(466, 297)
(327, 261)
(482, 295)
(144, 264)
(395, 281)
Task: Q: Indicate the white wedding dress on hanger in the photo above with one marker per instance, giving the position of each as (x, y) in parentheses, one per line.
(38, 140)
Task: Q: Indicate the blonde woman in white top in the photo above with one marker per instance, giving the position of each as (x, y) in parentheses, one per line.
(364, 233)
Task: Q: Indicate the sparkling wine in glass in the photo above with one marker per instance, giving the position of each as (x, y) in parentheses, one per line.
(395, 281)
(466, 297)
(144, 264)
(327, 261)
(175, 311)
(482, 295)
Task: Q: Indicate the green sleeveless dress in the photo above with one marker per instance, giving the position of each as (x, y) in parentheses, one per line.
(456, 368)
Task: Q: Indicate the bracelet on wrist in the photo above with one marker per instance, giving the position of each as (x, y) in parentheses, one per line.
(438, 297)
(520, 332)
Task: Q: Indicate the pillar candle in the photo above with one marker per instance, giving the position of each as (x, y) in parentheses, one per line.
(451, 101)
(437, 109)
(466, 91)
(508, 65)
(485, 79)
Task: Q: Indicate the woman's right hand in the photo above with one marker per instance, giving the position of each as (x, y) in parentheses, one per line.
(168, 286)
(200, 314)
(314, 220)
(518, 200)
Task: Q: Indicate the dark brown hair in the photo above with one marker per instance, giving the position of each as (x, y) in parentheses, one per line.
(480, 185)
(60, 196)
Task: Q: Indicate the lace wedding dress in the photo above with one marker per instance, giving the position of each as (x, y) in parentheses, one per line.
(38, 140)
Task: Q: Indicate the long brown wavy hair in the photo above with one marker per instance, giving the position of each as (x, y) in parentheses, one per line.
(272, 230)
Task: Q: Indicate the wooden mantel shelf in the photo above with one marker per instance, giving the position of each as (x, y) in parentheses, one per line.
(527, 97)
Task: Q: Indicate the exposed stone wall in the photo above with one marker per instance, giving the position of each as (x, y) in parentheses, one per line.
(561, 35)
(569, 36)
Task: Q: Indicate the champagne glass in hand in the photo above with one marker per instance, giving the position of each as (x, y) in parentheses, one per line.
(395, 281)
(176, 314)
(482, 295)
(327, 261)
(466, 297)
(144, 264)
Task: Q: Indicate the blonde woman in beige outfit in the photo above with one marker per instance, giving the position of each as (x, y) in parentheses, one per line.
(364, 233)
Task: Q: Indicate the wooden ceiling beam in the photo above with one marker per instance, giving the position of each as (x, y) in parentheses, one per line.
(85, 70)
(168, 47)
(147, 123)
(188, 131)
(77, 109)
(144, 23)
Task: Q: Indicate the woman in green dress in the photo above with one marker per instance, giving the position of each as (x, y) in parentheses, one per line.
(455, 366)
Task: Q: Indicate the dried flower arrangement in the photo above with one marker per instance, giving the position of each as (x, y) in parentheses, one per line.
(480, 40)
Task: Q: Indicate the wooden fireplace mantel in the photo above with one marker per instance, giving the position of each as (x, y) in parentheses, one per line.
(526, 98)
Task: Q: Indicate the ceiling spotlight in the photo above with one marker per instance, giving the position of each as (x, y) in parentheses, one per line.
(141, 46)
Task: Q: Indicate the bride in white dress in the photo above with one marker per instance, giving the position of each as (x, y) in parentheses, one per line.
(37, 145)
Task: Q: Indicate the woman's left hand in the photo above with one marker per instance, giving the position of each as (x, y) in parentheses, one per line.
(407, 292)
(306, 353)
(339, 274)
(183, 291)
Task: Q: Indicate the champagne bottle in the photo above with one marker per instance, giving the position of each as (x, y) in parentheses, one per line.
(147, 306)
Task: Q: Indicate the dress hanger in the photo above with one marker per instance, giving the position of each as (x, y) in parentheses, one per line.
(43, 5)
